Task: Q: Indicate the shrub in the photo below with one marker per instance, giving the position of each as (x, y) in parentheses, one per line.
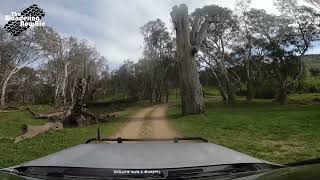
(266, 90)
(311, 85)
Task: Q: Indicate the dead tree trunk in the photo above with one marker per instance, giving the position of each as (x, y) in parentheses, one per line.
(78, 114)
(192, 100)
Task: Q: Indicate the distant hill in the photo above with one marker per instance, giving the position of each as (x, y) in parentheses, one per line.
(312, 61)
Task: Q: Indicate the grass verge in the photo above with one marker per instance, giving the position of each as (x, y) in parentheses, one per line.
(263, 129)
(53, 141)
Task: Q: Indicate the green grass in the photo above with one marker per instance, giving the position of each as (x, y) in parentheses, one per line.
(303, 98)
(210, 91)
(53, 141)
(115, 96)
(260, 128)
(312, 84)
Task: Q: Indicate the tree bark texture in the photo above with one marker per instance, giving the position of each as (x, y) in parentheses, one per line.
(192, 100)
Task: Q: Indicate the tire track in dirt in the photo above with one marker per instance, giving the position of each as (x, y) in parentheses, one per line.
(133, 127)
(160, 125)
(150, 122)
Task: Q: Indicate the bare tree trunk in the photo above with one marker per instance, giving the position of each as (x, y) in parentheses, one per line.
(167, 93)
(3, 89)
(56, 92)
(192, 100)
(228, 84)
(250, 90)
(176, 93)
(282, 95)
(191, 90)
(221, 90)
(64, 83)
(61, 99)
(230, 92)
(3, 93)
(72, 90)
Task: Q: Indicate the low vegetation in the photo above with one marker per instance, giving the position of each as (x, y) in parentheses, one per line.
(261, 128)
(53, 141)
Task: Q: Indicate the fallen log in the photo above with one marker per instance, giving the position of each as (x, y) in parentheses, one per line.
(81, 117)
(72, 117)
(30, 131)
(52, 115)
(9, 109)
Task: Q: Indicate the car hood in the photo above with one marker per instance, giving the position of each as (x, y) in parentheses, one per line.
(145, 155)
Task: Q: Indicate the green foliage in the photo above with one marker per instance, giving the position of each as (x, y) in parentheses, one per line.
(211, 91)
(267, 90)
(263, 129)
(314, 71)
(311, 85)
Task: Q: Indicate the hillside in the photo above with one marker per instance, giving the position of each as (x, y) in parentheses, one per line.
(312, 61)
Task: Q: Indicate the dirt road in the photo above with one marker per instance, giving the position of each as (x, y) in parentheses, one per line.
(150, 122)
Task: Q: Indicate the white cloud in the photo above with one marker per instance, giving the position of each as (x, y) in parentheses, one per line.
(123, 19)
(113, 26)
(2, 20)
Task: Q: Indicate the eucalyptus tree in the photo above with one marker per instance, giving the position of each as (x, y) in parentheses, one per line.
(123, 79)
(221, 34)
(305, 23)
(248, 46)
(158, 49)
(278, 42)
(16, 53)
(244, 45)
(305, 32)
(55, 49)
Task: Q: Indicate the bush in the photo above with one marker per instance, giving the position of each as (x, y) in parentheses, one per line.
(311, 85)
(314, 71)
(267, 89)
(242, 90)
(265, 92)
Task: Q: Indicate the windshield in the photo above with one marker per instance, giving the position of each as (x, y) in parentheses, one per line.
(120, 85)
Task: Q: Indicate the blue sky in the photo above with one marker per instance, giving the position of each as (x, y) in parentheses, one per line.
(113, 26)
